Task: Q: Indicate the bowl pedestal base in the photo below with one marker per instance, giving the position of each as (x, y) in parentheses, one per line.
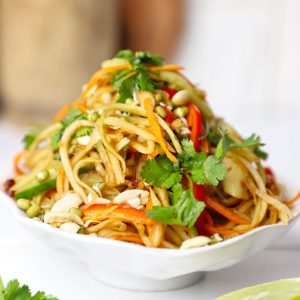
(143, 284)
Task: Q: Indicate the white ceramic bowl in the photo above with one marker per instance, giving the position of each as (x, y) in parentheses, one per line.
(135, 267)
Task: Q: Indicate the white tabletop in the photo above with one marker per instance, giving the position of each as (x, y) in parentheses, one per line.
(34, 264)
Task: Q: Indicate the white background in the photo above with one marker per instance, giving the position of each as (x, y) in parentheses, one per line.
(245, 54)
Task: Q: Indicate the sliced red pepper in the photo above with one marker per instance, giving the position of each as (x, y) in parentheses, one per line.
(199, 191)
(195, 123)
(269, 172)
(197, 129)
(170, 116)
(170, 91)
(203, 219)
(116, 211)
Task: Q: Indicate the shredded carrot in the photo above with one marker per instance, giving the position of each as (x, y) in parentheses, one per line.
(65, 109)
(291, 201)
(17, 158)
(209, 229)
(156, 128)
(79, 105)
(149, 204)
(132, 239)
(167, 68)
(114, 69)
(62, 112)
(208, 218)
(97, 76)
(121, 211)
(224, 211)
(60, 181)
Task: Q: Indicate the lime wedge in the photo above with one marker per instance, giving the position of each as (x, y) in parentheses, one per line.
(286, 289)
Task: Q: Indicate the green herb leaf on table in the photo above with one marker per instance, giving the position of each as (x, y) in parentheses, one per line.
(14, 291)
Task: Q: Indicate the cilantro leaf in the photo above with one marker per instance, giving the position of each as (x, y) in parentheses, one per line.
(118, 79)
(195, 166)
(161, 172)
(144, 82)
(42, 296)
(189, 158)
(212, 171)
(140, 57)
(83, 131)
(226, 144)
(184, 212)
(261, 154)
(23, 293)
(55, 138)
(128, 54)
(188, 150)
(13, 291)
(146, 57)
(137, 77)
(204, 170)
(126, 87)
(127, 84)
(74, 114)
(29, 138)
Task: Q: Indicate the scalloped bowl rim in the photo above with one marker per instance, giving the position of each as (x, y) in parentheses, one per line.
(20, 216)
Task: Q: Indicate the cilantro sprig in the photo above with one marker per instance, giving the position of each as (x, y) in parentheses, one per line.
(136, 78)
(184, 211)
(29, 138)
(194, 166)
(141, 57)
(226, 144)
(197, 168)
(14, 291)
(74, 114)
(202, 170)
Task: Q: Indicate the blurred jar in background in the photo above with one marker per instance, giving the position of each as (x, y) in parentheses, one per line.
(50, 48)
